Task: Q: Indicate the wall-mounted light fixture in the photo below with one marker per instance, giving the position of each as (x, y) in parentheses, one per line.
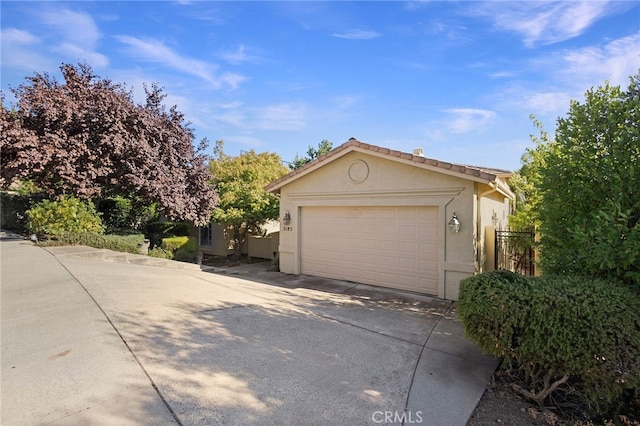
(494, 219)
(454, 224)
(286, 219)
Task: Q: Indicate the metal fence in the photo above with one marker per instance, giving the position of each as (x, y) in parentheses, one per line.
(514, 251)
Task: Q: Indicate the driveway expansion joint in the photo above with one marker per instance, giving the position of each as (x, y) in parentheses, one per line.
(424, 346)
(144, 370)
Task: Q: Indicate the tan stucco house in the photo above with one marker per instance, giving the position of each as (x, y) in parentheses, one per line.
(372, 215)
(216, 239)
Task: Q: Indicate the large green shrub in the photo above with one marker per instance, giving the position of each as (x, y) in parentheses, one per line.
(181, 248)
(589, 182)
(52, 218)
(558, 328)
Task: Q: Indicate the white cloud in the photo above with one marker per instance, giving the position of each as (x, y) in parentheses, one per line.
(464, 120)
(245, 140)
(81, 54)
(357, 35)
(16, 36)
(345, 101)
(546, 102)
(20, 51)
(231, 113)
(452, 32)
(75, 35)
(79, 28)
(502, 74)
(284, 116)
(568, 74)
(241, 54)
(544, 22)
(233, 79)
(232, 105)
(155, 51)
(615, 61)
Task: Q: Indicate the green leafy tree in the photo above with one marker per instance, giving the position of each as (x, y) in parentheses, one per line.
(243, 203)
(323, 147)
(124, 214)
(525, 182)
(590, 184)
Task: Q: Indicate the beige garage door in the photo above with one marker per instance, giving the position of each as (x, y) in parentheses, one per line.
(387, 246)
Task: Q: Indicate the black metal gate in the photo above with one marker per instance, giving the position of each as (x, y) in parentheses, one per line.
(514, 251)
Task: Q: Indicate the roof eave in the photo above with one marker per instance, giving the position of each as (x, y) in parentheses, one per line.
(461, 171)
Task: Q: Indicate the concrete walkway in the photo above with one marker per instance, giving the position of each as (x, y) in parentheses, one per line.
(89, 338)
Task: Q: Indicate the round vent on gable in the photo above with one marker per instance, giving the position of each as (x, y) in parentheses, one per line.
(358, 171)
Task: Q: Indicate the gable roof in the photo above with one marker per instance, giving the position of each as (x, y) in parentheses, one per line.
(478, 174)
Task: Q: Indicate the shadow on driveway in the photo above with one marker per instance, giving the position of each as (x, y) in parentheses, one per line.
(258, 347)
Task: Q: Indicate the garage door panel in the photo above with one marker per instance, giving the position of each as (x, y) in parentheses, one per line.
(407, 214)
(389, 278)
(427, 234)
(407, 281)
(387, 261)
(408, 263)
(429, 283)
(427, 265)
(388, 246)
(407, 231)
(387, 213)
(369, 213)
(407, 248)
(384, 230)
(365, 244)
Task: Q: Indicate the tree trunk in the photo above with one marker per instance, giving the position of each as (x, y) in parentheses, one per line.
(545, 392)
(239, 238)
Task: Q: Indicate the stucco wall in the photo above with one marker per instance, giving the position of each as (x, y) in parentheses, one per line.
(264, 247)
(221, 244)
(261, 246)
(364, 179)
(494, 212)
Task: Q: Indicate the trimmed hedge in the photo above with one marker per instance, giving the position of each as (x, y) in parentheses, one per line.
(122, 243)
(181, 248)
(175, 243)
(160, 253)
(555, 328)
(157, 231)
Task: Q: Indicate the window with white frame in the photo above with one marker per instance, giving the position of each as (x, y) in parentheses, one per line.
(205, 236)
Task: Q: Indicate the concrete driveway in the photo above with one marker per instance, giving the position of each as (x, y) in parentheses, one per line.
(93, 337)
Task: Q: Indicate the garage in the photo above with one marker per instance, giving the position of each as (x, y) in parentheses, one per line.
(373, 215)
(388, 246)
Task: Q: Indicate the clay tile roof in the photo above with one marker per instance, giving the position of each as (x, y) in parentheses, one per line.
(484, 173)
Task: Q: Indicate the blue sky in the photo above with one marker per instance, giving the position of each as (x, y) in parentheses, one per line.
(458, 79)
